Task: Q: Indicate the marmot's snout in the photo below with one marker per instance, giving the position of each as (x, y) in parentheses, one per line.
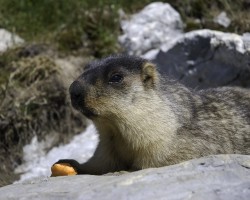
(76, 91)
(77, 95)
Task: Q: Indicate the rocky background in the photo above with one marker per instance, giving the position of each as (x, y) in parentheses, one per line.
(44, 45)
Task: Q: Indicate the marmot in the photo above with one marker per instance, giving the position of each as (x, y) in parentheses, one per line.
(145, 120)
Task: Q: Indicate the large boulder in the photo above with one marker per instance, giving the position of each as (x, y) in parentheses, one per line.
(199, 59)
(206, 58)
(157, 24)
(214, 177)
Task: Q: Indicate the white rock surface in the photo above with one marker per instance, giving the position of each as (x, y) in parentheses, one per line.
(214, 177)
(222, 19)
(157, 24)
(246, 40)
(8, 40)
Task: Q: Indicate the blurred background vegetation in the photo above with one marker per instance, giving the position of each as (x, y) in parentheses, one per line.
(94, 25)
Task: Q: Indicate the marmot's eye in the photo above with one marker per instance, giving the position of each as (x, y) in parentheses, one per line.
(116, 78)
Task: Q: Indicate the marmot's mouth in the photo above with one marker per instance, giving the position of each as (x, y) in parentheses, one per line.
(88, 112)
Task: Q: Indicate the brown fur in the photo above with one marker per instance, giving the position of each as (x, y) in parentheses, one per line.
(146, 121)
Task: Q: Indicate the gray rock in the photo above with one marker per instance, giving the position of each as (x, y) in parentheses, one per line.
(8, 40)
(206, 58)
(213, 177)
(155, 25)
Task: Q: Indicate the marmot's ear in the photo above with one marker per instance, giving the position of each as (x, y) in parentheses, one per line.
(149, 75)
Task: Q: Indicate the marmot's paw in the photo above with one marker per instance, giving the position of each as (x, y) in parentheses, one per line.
(62, 169)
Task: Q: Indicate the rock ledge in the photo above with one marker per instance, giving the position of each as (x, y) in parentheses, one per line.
(212, 177)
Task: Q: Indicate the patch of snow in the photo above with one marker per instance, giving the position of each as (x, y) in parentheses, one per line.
(37, 163)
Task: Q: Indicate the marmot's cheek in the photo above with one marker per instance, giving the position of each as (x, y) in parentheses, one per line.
(62, 169)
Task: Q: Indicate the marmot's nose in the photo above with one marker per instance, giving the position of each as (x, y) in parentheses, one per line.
(76, 91)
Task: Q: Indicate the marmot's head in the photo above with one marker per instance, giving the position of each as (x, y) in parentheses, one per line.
(114, 84)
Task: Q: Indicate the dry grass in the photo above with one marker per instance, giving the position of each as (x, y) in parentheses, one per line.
(33, 102)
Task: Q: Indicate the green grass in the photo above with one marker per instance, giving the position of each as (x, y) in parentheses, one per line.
(68, 24)
(92, 24)
(205, 11)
